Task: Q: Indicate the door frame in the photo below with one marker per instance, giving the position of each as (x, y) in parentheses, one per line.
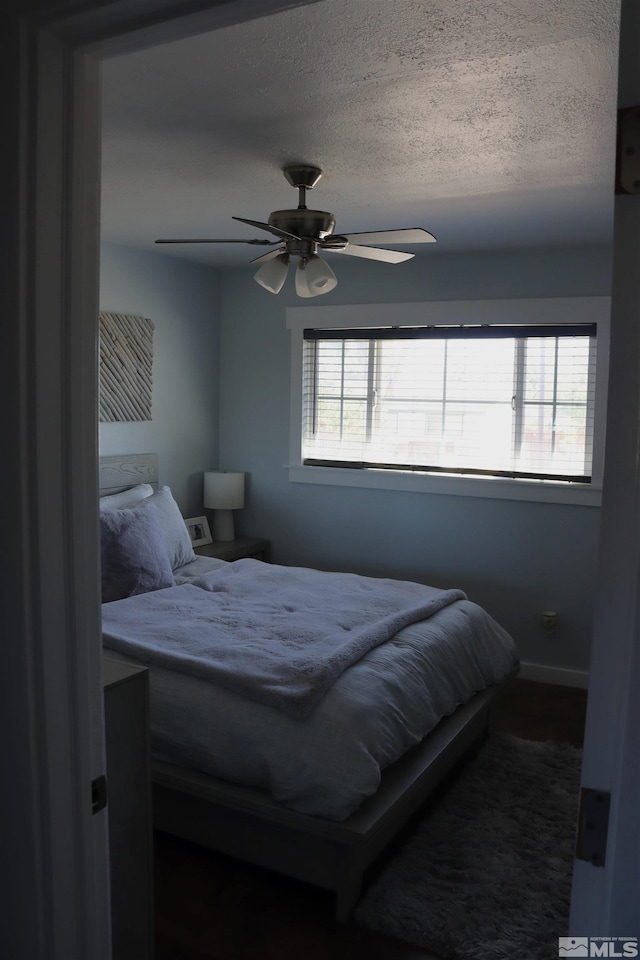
(605, 900)
(51, 694)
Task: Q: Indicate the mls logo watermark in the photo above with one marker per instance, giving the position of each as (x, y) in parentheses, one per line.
(573, 946)
(597, 946)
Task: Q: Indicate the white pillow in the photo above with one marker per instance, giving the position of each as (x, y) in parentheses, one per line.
(173, 526)
(126, 498)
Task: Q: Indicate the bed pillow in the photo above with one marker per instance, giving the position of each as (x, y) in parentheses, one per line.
(133, 553)
(174, 528)
(126, 498)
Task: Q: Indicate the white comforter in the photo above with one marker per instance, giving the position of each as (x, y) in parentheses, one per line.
(329, 763)
(278, 635)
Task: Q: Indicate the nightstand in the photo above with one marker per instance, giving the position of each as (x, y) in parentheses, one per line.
(237, 549)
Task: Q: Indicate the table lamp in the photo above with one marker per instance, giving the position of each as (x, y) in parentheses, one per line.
(223, 493)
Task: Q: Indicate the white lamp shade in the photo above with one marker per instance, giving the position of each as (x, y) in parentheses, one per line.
(224, 491)
(273, 274)
(302, 287)
(314, 277)
(320, 276)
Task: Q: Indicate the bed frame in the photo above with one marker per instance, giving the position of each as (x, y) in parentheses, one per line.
(246, 823)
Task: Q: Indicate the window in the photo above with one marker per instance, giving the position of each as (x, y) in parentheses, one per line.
(468, 405)
(482, 400)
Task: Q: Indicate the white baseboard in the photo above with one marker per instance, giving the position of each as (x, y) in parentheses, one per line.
(558, 675)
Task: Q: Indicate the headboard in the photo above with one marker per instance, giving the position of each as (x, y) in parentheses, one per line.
(119, 472)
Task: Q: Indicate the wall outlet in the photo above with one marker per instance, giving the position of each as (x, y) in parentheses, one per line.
(550, 623)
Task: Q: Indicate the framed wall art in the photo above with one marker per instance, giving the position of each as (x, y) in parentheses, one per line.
(126, 367)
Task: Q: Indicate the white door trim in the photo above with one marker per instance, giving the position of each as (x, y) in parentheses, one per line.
(606, 900)
(54, 850)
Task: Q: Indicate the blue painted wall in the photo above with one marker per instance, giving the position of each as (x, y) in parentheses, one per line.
(182, 300)
(516, 559)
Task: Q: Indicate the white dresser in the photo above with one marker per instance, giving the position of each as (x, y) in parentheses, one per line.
(126, 704)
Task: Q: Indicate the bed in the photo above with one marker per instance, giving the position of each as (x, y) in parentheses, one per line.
(309, 777)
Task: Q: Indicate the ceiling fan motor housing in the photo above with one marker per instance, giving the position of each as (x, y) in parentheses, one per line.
(308, 225)
(315, 224)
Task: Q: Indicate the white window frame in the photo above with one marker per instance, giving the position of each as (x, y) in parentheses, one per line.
(551, 310)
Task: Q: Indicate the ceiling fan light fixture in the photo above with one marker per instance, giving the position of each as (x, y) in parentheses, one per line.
(314, 277)
(302, 286)
(273, 273)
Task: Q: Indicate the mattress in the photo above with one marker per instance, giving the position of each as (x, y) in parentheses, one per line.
(327, 764)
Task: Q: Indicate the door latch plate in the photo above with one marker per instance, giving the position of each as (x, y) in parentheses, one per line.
(98, 794)
(593, 826)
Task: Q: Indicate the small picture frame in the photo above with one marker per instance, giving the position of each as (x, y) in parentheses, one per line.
(199, 531)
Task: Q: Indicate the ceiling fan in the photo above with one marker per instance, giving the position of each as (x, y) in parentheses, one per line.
(302, 233)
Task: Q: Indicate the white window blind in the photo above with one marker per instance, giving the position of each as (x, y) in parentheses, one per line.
(504, 401)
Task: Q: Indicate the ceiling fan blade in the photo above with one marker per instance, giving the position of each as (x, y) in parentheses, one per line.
(261, 243)
(410, 235)
(267, 226)
(269, 256)
(374, 253)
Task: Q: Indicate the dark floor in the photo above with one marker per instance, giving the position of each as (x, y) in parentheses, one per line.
(210, 907)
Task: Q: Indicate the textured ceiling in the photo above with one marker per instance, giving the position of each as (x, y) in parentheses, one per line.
(490, 124)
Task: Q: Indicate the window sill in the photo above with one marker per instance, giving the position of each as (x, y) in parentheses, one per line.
(501, 489)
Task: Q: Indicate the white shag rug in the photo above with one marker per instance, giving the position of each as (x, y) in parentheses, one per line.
(486, 875)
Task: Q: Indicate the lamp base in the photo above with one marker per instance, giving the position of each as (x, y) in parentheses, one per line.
(223, 525)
